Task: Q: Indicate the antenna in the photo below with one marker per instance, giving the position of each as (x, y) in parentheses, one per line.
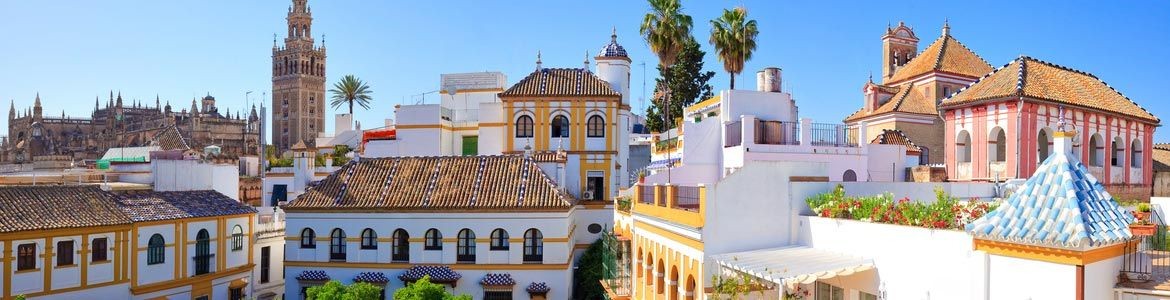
(642, 101)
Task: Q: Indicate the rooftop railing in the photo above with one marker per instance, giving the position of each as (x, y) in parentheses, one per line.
(834, 135)
(665, 202)
(777, 133)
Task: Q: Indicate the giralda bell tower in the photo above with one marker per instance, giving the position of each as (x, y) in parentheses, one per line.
(298, 82)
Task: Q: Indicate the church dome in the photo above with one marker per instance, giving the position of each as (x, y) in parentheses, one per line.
(613, 49)
(209, 97)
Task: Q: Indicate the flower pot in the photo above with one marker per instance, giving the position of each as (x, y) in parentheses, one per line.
(1143, 229)
(1141, 215)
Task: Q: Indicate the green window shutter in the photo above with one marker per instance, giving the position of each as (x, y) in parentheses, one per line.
(470, 145)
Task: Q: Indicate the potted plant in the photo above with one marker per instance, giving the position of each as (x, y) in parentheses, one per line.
(1142, 212)
(642, 176)
(1143, 228)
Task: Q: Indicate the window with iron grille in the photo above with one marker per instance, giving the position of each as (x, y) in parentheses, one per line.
(203, 252)
(237, 238)
(265, 263)
(26, 257)
(156, 250)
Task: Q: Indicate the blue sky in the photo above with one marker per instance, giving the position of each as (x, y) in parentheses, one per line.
(72, 51)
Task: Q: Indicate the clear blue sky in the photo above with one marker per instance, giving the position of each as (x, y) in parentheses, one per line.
(72, 51)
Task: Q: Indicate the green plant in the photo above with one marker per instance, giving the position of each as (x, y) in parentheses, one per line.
(424, 289)
(624, 204)
(946, 212)
(734, 38)
(351, 90)
(592, 268)
(335, 290)
(734, 287)
(1143, 207)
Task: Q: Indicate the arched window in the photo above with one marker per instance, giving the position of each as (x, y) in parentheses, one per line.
(963, 147)
(1135, 154)
(308, 238)
(660, 282)
(202, 252)
(237, 238)
(156, 250)
(997, 145)
(533, 246)
(369, 239)
(499, 239)
(672, 290)
(433, 240)
(400, 250)
(1118, 150)
(1096, 151)
(337, 244)
(924, 156)
(465, 247)
(524, 127)
(595, 127)
(849, 176)
(560, 127)
(1043, 146)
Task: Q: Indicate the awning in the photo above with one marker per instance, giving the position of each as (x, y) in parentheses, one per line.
(662, 163)
(793, 265)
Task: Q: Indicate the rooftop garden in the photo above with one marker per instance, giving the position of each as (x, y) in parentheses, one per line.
(946, 212)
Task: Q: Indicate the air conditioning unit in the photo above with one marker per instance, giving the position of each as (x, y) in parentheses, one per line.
(587, 195)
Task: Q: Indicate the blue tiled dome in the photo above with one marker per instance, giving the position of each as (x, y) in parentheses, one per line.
(613, 49)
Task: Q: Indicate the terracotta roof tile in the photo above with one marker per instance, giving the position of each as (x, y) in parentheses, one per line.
(153, 206)
(895, 137)
(25, 208)
(491, 183)
(1161, 157)
(946, 54)
(1044, 81)
(170, 139)
(561, 82)
(906, 100)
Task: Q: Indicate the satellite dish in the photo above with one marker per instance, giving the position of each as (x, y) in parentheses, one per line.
(450, 89)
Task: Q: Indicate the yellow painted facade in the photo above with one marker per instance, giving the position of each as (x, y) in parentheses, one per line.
(664, 265)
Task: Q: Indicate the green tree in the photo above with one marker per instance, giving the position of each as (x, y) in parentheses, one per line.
(688, 83)
(666, 29)
(334, 290)
(734, 38)
(423, 289)
(351, 90)
(599, 262)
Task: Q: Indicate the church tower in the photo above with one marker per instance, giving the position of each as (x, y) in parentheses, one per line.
(613, 66)
(298, 82)
(899, 45)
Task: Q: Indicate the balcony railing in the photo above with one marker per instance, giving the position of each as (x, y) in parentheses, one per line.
(680, 197)
(646, 195)
(777, 133)
(688, 198)
(1146, 262)
(835, 135)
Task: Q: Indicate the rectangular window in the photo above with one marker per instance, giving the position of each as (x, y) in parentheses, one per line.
(594, 186)
(497, 295)
(65, 253)
(470, 145)
(265, 263)
(236, 294)
(279, 193)
(827, 291)
(26, 258)
(867, 296)
(100, 250)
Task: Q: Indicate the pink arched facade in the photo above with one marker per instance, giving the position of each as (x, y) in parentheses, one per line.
(1115, 147)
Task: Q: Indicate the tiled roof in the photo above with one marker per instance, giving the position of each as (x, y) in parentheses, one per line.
(53, 207)
(549, 156)
(170, 139)
(561, 82)
(1061, 205)
(906, 100)
(371, 277)
(313, 275)
(1032, 78)
(538, 288)
(946, 54)
(152, 205)
(613, 49)
(438, 274)
(895, 137)
(497, 279)
(1161, 157)
(490, 183)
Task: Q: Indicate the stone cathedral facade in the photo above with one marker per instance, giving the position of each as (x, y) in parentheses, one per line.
(298, 82)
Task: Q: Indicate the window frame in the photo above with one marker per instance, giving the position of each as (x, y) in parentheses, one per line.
(525, 127)
(26, 256)
(499, 240)
(433, 240)
(595, 127)
(533, 246)
(370, 241)
(337, 245)
(400, 246)
(237, 238)
(100, 251)
(203, 253)
(559, 127)
(156, 252)
(64, 253)
(465, 246)
(308, 241)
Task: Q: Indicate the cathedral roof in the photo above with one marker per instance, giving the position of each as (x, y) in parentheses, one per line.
(561, 82)
(437, 183)
(613, 49)
(1031, 78)
(945, 55)
(170, 139)
(1061, 205)
(906, 99)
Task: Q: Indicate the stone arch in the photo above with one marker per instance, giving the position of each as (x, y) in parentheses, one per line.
(1135, 154)
(963, 147)
(690, 288)
(672, 290)
(660, 284)
(1043, 144)
(997, 145)
(849, 176)
(1096, 151)
(1117, 151)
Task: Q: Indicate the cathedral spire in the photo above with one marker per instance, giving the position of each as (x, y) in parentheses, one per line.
(11, 109)
(38, 101)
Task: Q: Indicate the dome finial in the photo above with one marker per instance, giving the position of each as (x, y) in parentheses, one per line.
(613, 34)
(538, 67)
(586, 61)
(946, 27)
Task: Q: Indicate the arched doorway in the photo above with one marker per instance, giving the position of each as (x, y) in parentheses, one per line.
(963, 147)
(1096, 151)
(1117, 148)
(661, 283)
(849, 176)
(672, 290)
(1135, 154)
(690, 288)
(997, 145)
(1043, 145)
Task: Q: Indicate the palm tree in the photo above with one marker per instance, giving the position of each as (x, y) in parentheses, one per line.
(666, 29)
(351, 90)
(734, 38)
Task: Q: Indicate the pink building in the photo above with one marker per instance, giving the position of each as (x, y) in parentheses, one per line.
(1002, 125)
